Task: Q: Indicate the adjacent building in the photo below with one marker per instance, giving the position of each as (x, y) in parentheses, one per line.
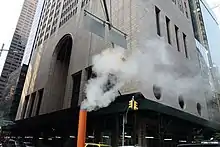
(19, 41)
(206, 31)
(70, 33)
(13, 90)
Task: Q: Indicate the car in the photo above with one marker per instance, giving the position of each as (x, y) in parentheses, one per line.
(28, 144)
(12, 143)
(96, 145)
(200, 145)
(130, 146)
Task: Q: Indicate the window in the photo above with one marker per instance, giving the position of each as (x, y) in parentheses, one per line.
(40, 96)
(90, 73)
(181, 101)
(177, 37)
(157, 11)
(76, 88)
(186, 9)
(31, 104)
(185, 45)
(112, 80)
(24, 106)
(157, 91)
(168, 30)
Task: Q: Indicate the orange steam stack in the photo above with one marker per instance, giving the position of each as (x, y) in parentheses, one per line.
(81, 138)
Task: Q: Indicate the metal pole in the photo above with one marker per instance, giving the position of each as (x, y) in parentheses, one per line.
(123, 131)
(123, 126)
(2, 49)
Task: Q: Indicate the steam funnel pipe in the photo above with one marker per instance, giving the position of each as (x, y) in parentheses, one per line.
(81, 138)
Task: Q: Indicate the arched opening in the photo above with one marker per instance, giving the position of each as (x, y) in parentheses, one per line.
(59, 71)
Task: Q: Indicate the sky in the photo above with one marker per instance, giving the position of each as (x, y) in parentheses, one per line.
(10, 11)
(215, 5)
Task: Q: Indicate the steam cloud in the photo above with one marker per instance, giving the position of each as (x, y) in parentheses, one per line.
(151, 63)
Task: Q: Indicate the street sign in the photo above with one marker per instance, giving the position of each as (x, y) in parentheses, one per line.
(98, 26)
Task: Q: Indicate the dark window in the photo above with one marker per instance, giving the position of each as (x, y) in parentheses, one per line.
(186, 9)
(157, 91)
(4, 76)
(199, 107)
(157, 11)
(181, 101)
(174, 1)
(76, 88)
(111, 82)
(185, 45)
(25, 106)
(40, 96)
(90, 73)
(168, 30)
(177, 38)
(31, 103)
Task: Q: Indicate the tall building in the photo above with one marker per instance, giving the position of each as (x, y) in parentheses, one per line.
(206, 31)
(32, 37)
(71, 32)
(19, 41)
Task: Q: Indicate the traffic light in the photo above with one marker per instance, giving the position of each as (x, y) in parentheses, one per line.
(135, 105)
(131, 102)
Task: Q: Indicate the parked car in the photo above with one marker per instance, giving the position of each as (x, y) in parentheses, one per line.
(96, 145)
(200, 145)
(28, 144)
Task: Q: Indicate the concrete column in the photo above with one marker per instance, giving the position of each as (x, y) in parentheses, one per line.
(134, 133)
(142, 133)
(115, 132)
(98, 135)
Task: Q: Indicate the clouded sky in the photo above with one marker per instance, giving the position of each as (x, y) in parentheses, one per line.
(10, 10)
(215, 5)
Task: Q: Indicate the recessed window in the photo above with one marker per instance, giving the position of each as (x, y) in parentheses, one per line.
(168, 30)
(185, 45)
(157, 91)
(157, 11)
(177, 38)
(181, 102)
(40, 96)
(199, 108)
(76, 88)
(31, 103)
(24, 106)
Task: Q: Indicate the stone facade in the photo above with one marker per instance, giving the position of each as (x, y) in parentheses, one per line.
(136, 18)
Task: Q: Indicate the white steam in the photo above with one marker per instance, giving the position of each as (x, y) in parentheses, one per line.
(151, 63)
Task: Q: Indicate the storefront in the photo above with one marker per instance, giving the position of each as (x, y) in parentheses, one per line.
(152, 125)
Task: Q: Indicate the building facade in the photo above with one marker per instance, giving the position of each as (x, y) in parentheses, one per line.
(19, 41)
(70, 34)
